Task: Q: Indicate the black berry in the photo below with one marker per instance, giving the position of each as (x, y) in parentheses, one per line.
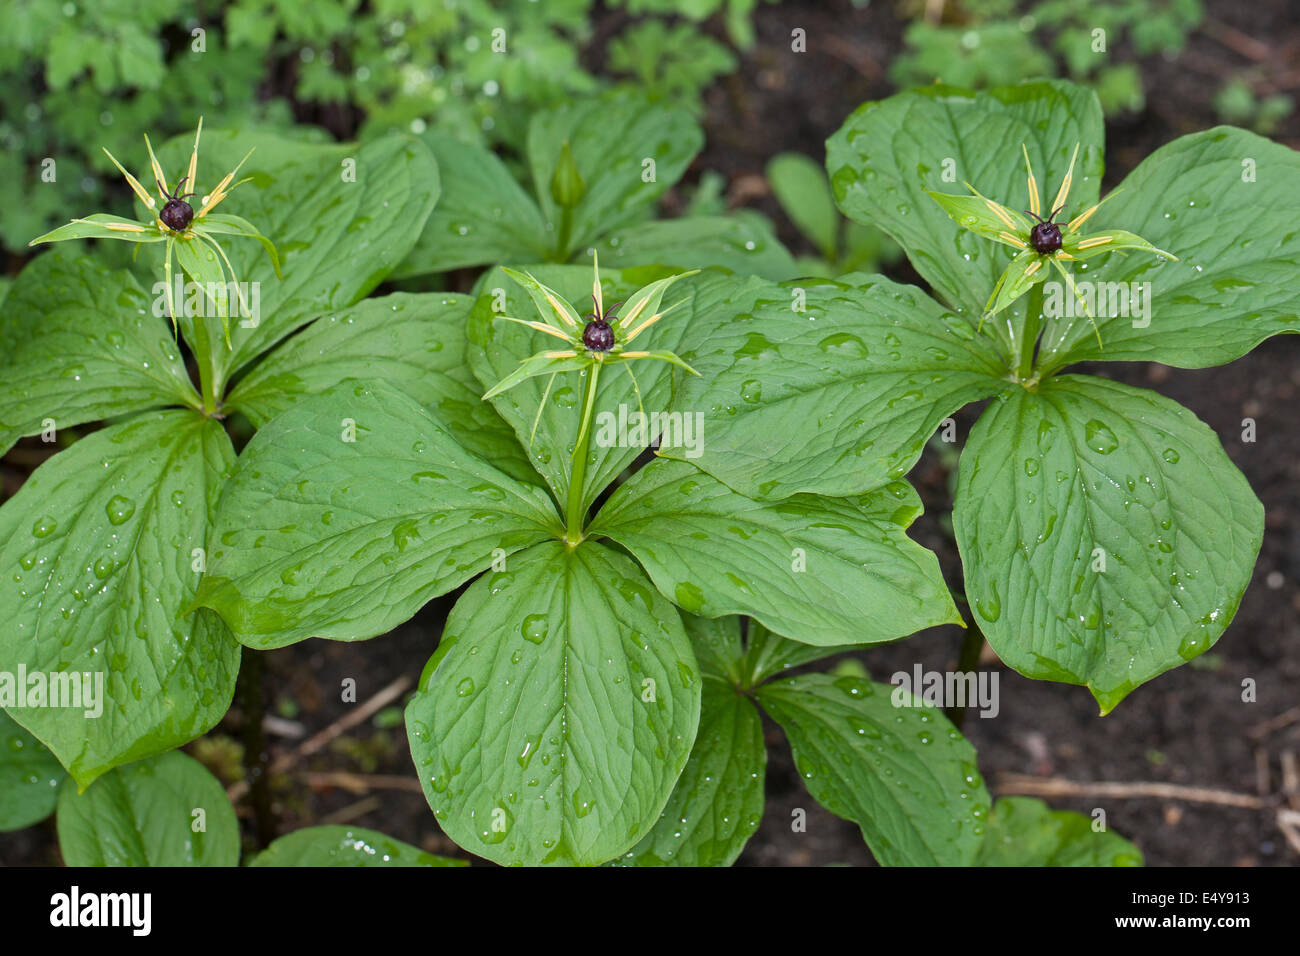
(598, 336)
(1046, 237)
(177, 215)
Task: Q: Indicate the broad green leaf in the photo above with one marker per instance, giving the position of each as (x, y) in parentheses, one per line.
(345, 846)
(483, 217)
(497, 347)
(768, 654)
(342, 217)
(800, 186)
(1216, 200)
(99, 559)
(1084, 475)
(148, 813)
(29, 777)
(822, 570)
(738, 243)
(561, 710)
(628, 149)
(889, 154)
(1027, 832)
(718, 801)
(414, 341)
(901, 773)
(349, 512)
(79, 343)
(717, 643)
(824, 387)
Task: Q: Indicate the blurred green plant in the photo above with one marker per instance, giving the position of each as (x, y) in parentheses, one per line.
(986, 43)
(804, 193)
(1237, 103)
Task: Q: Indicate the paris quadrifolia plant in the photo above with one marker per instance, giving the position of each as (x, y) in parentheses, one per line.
(188, 233)
(642, 557)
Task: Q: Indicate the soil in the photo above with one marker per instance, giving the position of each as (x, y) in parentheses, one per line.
(1188, 728)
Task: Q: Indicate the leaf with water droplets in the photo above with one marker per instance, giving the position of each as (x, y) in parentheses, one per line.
(568, 744)
(1023, 831)
(345, 846)
(415, 341)
(718, 801)
(831, 387)
(1122, 554)
(338, 530)
(739, 243)
(29, 777)
(79, 343)
(874, 754)
(143, 814)
(98, 594)
(821, 570)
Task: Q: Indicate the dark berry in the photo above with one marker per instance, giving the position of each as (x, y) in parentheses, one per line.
(1045, 237)
(598, 336)
(177, 215)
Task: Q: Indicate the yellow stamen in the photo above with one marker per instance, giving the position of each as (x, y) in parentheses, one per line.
(157, 167)
(595, 285)
(567, 353)
(1065, 183)
(548, 329)
(193, 172)
(1014, 240)
(559, 310)
(221, 192)
(998, 211)
(636, 311)
(135, 184)
(115, 226)
(1095, 241)
(643, 326)
(1034, 205)
(635, 354)
(1033, 267)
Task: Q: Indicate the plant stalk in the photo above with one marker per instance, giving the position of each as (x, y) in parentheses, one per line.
(256, 759)
(209, 377)
(968, 659)
(1033, 325)
(575, 513)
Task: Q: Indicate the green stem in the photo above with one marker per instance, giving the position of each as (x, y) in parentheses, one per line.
(1029, 333)
(576, 512)
(968, 659)
(209, 375)
(566, 233)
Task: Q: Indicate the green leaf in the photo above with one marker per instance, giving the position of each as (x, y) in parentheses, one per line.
(738, 243)
(345, 846)
(222, 224)
(29, 777)
(611, 137)
(800, 186)
(561, 709)
(768, 654)
(1027, 832)
(483, 217)
(497, 347)
(79, 343)
(718, 801)
(350, 511)
(718, 647)
(342, 217)
(889, 154)
(977, 214)
(148, 814)
(901, 773)
(97, 563)
(836, 399)
(822, 570)
(1050, 477)
(1214, 200)
(414, 341)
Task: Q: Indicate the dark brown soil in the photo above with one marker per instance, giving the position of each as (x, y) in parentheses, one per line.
(1188, 727)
